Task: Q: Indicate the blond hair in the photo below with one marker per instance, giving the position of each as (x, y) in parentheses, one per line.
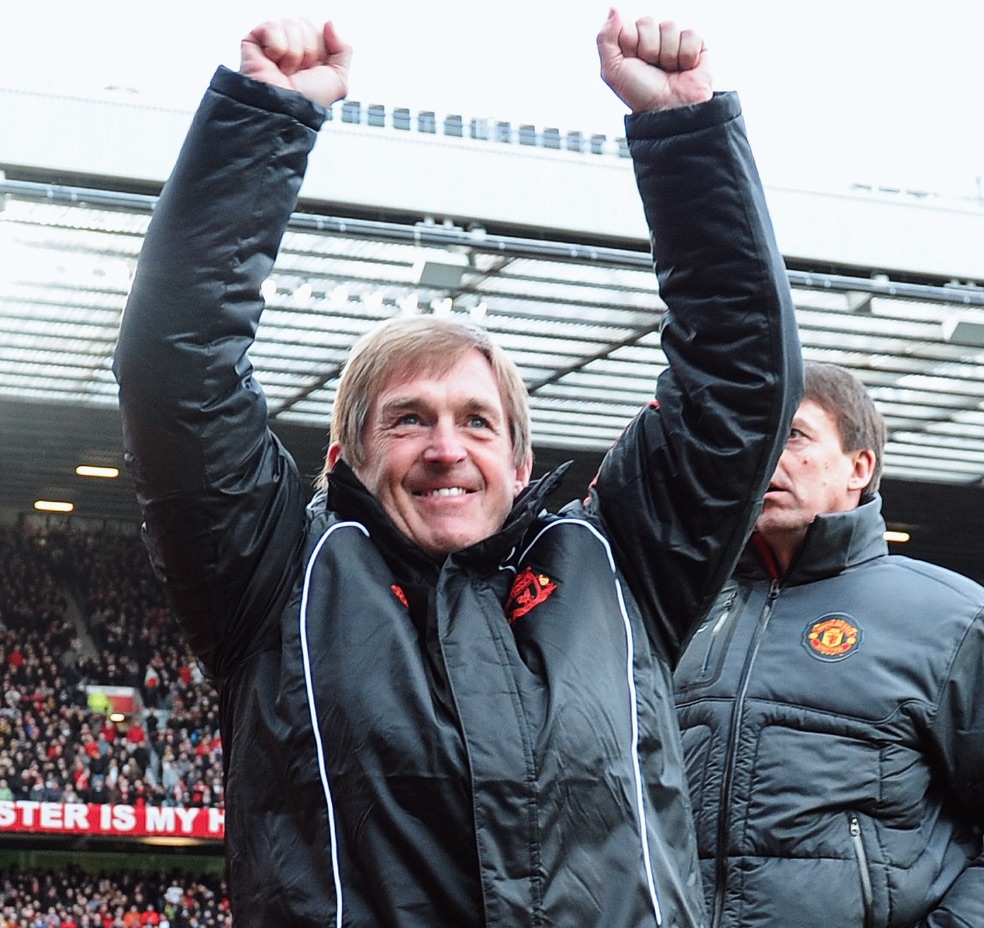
(420, 345)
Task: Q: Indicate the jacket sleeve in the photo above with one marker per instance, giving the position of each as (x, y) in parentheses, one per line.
(221, 500)
(963, 904)
(680, 490)
(957, 732)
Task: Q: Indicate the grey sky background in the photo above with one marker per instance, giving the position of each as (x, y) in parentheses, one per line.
(881, 92)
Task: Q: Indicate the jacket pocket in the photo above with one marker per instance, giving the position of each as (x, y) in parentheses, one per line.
(703, 656)
(864, 873)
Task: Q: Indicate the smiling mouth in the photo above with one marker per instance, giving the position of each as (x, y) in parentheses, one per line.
(443, 491)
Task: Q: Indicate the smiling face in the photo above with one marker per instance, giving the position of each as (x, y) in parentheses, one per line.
(439, 457)
(815, 475)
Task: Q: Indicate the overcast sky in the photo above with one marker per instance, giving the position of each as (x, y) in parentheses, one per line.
(884, 92)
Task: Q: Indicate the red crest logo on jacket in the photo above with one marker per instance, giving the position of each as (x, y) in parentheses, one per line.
(529, 589)
(832, 638)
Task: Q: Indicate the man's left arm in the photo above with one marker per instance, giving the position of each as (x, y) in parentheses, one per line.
(680, 491)
(963, 904)
(958, 734)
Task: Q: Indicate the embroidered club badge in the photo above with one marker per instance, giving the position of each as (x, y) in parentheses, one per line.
(833, 637)
(529, 589)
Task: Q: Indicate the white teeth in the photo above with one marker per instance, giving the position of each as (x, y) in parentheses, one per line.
(449, 491)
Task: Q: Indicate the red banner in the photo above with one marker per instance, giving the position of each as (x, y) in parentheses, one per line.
(22, 816)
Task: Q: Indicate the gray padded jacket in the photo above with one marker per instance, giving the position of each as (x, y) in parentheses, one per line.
(833, 725)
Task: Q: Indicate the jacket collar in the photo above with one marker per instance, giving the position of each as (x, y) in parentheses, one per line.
(833, 542)
(349, 498)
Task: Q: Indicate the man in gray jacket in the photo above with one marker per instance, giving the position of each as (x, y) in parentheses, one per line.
(832, 704)
(441, 705)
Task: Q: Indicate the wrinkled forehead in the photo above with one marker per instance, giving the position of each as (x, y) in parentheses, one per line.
(433, 365)
(422, 364)
(814, 411)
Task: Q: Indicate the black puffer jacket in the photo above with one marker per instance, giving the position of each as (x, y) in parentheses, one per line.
(833, 724)
(490, 740)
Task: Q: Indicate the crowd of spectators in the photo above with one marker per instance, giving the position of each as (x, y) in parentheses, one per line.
(81, 610)
(74, 898)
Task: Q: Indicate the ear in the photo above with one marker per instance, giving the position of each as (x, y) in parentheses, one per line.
(334, 453)
(863, 467)
(523, 473)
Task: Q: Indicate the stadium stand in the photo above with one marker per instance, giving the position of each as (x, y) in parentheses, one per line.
(81, 615)
(72, 897)
(102, 623)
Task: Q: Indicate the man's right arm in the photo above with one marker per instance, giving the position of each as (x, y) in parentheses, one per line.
(221, 502)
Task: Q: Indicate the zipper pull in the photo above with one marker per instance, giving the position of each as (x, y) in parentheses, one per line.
(725, 612)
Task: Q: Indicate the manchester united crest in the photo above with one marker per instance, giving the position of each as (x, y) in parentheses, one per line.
(833, 637)
(529, 589)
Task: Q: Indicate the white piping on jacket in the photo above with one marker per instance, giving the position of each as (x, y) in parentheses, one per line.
(633, 702)
(630, 681)
(313, 710)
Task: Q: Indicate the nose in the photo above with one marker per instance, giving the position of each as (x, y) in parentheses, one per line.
(445, 445)
(788, 454)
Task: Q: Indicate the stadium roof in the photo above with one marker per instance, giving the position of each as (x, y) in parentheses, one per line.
(579, 313)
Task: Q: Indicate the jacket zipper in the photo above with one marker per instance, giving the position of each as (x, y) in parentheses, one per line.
(718, 626)
(867, 894)
(727, 781)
